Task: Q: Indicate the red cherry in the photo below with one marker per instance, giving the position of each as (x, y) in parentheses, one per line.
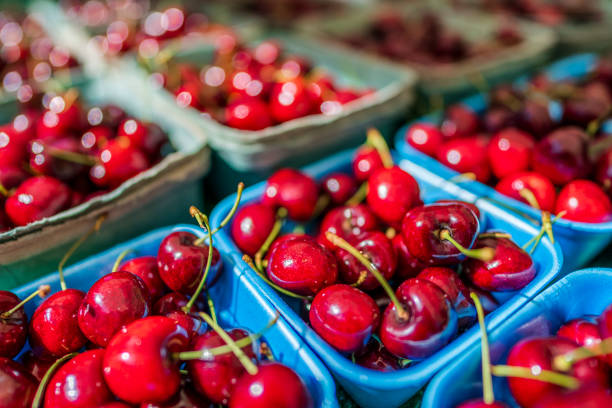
(96, 138)
(605, 328)
(267, 52)
(14, 327)
(18, 387)
(188, 94)
(118, 161)
(589, 396)
(466, 155)
(498, 118)
(424, 137)
(37, 198)
(138, 364)
(192, 324)
(36, 366)
(603, 173)
(141, 136)
(339, 187)
(471, 206)
(562, 155)
(534, 118)
(293, 190)
(185, 398)
(509, 152)
(365, 162)
(347, 222)
(479, 403)
(376, 357)
(145, 267)
(407, 265)
(251, 226)
(584, 201)
(277, 386)
(44, 163)
(11, 176)
(344, 316)
(290, 100)
(459, 121)
(12, 148)
(580, 331)
(541, 187)
(170, 302)
(391, 193)
(248, 113)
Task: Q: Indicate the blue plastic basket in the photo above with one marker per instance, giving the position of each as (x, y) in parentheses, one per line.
(583, 293)
(237, 302)
(580, 241)
(373, 388)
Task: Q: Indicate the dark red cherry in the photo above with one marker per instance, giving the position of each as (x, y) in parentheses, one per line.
(459, 121)
(11, 176)
(534, 118)
(146, 137)
(192, 324)
(185, 398)
(13, 327)
(138, 365)
(562, 155)
(407, 265)
(251, 226)
(113, 302)
(12, 146)
(181, 262)
(592, 103)
(344, 316)
(339, 187)
(293, 190)
(584, 201)
(376, 357)
(248, 113)
(431, 321)
(498, 118)
(43, 162)
(603, 172)
(509, 152)
(588, 396)
(35, 365)
(471, 206)
(391, 193)
(347, 222)
(118, 161)
(541, 187)
(605, 328)
(302, 266)
(216, 377)
(290, 100)
(18, 387)
(37, 198)
(580, 331)
(277, 386)
(54, 327)
(479, 403)
(170, 302)
(466, 155)
(365, 162)
(79, 383)
(425, 137)
(95, 138)
(145, 267)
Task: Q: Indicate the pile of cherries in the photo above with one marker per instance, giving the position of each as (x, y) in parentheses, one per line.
(144, 335)
(428, 40)
(433, 254)
(67, 153)
(254, 88)
(283, 12)
(545, 145)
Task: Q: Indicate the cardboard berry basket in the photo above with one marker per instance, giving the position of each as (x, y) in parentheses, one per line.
(236, 301)
(580, 241)
(371, 388)
(582, 293)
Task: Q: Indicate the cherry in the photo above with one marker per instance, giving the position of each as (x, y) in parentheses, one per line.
(251, 226)
(142, 136)
(580, 331)
(44, 162)
(139, 365)
(534, 118)
(496, 119)
(185, 398)
(216, 376)
(170, 302)
(479, 403)
(377, 249)
(302, 266)
(13, 327)
(293, 190)
(520, 185)
(274, 385)
(54, 328)
(509, 152)
(365, 162)
(562, 155)
(407, 265)
(11, 176)
(79, 383)
(584, 201)
(37, 198)
(95, 138)
(36, 366)
(18, 387)
(118, 161)
(429, 323)
(339, 187)
(12, 147)
(459, 121)
(290, 100)
(181, 260)
(582, 109)
(376, 357)
(347, 222)
(391, 193)
(471, 206)
(603, 173)
(113, 302)
(424, 137)
(344, 316)
(605, 328)
(590, 396)
(466, 155)
(145, 267)
(192, 324)
(248, 113)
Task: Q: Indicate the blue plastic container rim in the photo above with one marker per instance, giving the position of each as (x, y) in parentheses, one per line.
(338, 363)
(568, 68)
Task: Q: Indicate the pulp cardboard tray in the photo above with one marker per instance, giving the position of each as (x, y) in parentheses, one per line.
(372, 389)
(580, 241)
(453, 79)
(236, 301)
(583, 293)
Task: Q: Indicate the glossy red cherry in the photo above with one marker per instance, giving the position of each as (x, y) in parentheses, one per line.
(11, 176)
(580, 331)
(18, 387)
(302, 266)
(96, 138)
(185, 398)
(216, 377)
(293, 190)
(12, 147)
(274, 385)
(366, 161)
(509, 152)
(424, 137)
(590, 396)
(248, 113)
(605, 328)
(35, 365)
(431, 321)
(407, 265)
(339, 187)
(181, 262)
(145, 267)
(54, 327)
(43, 162)
(192, 324)
(113, 302)
(148, 138)
(562, 155)
(251, 226)
(603, 172)
(37, 198)
(118, 161)
(79, 383)
(466, 155)
(391, 193)
(14, 327)
(534, 118)
(138, 364)
(459, 121)
(498, 118)
(541, 187)
(344, 316)
(471, 206)
(170, 302)
(290, 100)
(376, 357)
(347, 222)
(584, 201)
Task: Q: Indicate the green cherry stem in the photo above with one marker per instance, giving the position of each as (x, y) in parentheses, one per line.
(247, 259)
(498, 235)
(119, 259)
(487, 381)
(484, 254)
(547, 376)
(565, 361)
(359, 195)
(42, 291)
(377, 141)
(281, 214)
(3, 191)
(197, 214)
(40, 391)
(203, 219)
(211, 307)
(528, 195)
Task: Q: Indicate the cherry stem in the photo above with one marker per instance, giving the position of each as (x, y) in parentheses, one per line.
(3, 191)
(486, 235)
(593, 126)
(546, 376)
(359, 195)
(546, 228)
(341, 243)
(528, 195)
(202, 219)
(40, 391)
(42, 291)
(211, 307)
(390, 233)
(322, 203)
(72, 157)
(247, 259)
(460, 178)
(487, 381)
(75, 246)
(231, 213)
(362, 277)
(278, 224)
(119, 259)
(565, 361)
(246, 362)
(375, 139)
(485, 254)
